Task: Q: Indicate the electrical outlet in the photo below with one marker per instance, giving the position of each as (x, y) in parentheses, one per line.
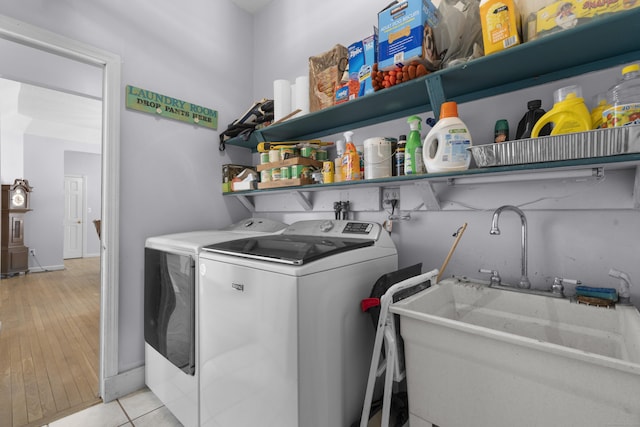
(32, 252)
(388, 194)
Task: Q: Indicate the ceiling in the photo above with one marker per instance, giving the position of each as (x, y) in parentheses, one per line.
(252, 6)
(39, 111)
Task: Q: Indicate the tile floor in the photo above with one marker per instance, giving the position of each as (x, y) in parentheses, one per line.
(140, 409)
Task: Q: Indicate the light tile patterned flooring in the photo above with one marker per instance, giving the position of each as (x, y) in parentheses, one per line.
(140, 409)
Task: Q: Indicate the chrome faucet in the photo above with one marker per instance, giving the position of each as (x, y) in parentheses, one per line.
(524, 280)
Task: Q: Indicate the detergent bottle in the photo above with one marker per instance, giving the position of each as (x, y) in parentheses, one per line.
(350, 159)
(413, 164)
(529, 120)
(568, 115)
(597, 112)
(624, 99)
(445, 147)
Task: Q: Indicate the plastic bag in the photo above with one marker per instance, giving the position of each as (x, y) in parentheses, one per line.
(458, 35)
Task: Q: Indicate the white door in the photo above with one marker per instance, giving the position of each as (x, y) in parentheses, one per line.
(73, 216)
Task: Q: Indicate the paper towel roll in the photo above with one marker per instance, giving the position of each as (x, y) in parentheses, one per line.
(281, 98)
(302, 95)
(293, 96)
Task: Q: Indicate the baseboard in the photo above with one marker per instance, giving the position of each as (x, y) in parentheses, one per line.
(46, 268)
(123, 384)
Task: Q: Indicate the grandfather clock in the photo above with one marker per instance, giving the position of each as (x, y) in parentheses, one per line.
(15, 204)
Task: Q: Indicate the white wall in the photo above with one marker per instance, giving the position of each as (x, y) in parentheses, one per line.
(570, 234)
(195, 50)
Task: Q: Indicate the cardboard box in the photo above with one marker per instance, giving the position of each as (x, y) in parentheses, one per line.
(500, 25)
(405, 34)
(362, 55)
(229, 172)
(565, 14)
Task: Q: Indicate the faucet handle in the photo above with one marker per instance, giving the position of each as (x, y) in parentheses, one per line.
(495, 276)
(558, 285)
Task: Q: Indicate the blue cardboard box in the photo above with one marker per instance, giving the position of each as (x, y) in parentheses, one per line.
(362, 55)
(406, 34)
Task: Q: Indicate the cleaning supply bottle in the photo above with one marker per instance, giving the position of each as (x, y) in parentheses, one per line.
(350, 159)
(402, 144)
(568, 115)
(413, 164)
(445, 147)
(340, 148)
(501, 131)
(597, 112)
(624, 99)
(531, 117)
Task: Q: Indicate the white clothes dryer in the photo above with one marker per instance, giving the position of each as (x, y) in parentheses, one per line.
(286, 343)
(170, 312)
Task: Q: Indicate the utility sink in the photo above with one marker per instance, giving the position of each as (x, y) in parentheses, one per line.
(482, 356)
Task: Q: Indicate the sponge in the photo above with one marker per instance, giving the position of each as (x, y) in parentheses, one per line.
(608, 294)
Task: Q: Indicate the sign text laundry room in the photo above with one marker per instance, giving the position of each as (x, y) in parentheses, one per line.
(171, 108)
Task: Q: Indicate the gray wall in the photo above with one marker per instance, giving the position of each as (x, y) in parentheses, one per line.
(46, 162)
(44, 168)
(196, 50)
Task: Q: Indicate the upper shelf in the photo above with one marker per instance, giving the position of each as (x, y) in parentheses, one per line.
(603, 43)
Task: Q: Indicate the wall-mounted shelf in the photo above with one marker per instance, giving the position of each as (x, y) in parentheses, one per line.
(568, 169)
(603, 43)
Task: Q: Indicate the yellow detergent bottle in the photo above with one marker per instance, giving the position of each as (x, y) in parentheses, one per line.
(568, 115)
(600, 106)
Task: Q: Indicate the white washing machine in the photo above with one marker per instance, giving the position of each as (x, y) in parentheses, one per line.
(286, 343)
(170, 312)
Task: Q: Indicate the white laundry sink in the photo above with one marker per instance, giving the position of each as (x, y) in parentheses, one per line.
(488, 357)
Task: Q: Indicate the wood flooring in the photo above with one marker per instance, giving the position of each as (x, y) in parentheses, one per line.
(49, 343)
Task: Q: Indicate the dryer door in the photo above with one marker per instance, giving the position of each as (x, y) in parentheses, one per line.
(169, 306)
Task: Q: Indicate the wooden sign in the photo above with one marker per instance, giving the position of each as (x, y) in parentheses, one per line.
(171, 108)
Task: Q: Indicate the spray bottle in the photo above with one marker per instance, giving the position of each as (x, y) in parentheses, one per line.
(413, 164)
(350, 159)
(340, 148)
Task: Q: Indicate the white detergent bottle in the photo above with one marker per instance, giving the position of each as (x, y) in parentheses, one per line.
(445, 147)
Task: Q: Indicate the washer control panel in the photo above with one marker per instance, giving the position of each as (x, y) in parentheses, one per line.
(358, 228)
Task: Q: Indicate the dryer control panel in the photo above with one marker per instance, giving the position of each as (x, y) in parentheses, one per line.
(335, 228)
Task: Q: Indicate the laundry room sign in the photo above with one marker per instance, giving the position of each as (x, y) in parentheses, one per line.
(171, 108)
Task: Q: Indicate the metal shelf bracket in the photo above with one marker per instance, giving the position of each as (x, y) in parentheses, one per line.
(246, 202)
(302, 200)
(436, 93)
(428, 194)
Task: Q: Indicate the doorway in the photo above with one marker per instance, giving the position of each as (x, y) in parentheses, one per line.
(28, 36)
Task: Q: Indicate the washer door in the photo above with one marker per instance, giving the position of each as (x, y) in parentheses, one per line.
(169, 301)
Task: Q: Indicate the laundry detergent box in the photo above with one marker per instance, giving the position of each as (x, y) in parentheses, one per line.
(405, 34)
(362, 55)
(544, 17)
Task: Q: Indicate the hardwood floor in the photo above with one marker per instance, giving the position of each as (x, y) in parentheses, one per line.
(49, 343)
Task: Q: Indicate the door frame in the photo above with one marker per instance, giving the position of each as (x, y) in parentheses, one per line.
(32, 36)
